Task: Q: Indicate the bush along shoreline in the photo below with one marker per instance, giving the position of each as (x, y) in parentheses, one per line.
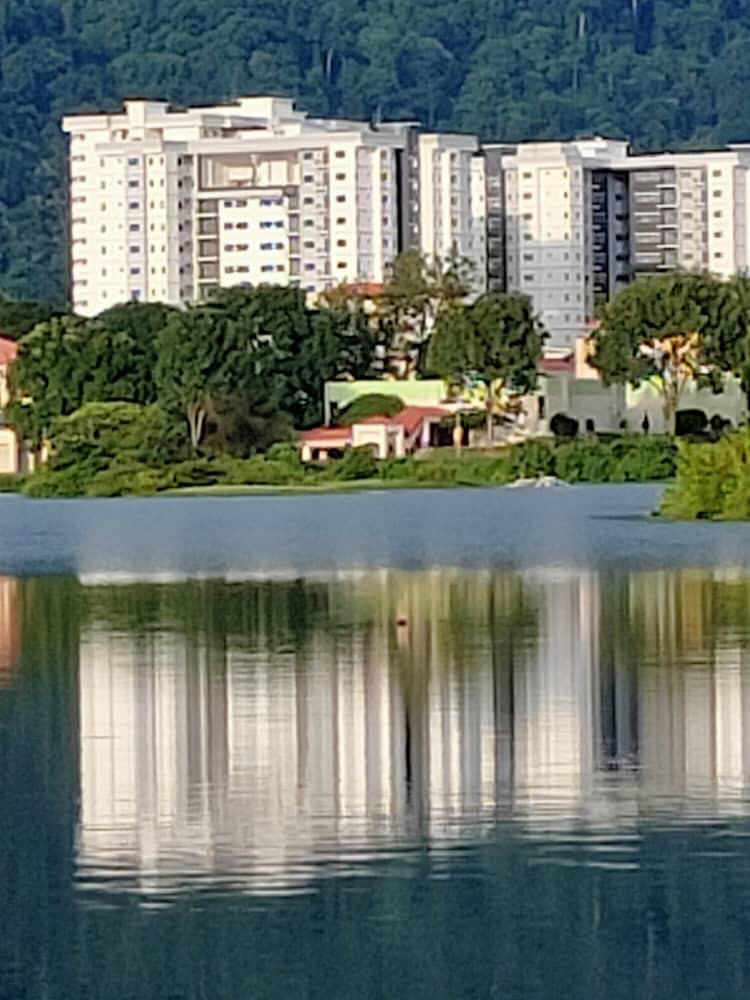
(121, 449)
(713, 482)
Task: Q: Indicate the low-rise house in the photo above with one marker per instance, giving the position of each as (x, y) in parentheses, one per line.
(388, 437)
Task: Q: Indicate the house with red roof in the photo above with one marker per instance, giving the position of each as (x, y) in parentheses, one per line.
(388, 437)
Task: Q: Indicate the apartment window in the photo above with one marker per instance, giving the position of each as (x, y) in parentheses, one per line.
(134, 227)
(340, 197)
(526, 175)
(102, 229)
(242, 246)
(242, 203)
(267, 267)
(718, 254)
(717, 215)
(308, 178)
(229, 247)
(716, 173)
(135, 249)
(341, 264)
(307, 156)
(340, 154)
(279, 267)
(526, 195)
(133, 184)
(308, 200)
(266, 246)
(228, 204)
(528, 256)
(528, 277)
(717, 194)
(243, 269)
(527, 217)
(134, 205)
(340, 177)
(309, 267)
(309, 244)
(242, 225)
(135, 270)
(133, 161)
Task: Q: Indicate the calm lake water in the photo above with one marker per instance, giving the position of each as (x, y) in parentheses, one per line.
(437, 744)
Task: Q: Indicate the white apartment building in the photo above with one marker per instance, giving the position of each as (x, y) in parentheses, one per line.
(167, 205)
(583, 218)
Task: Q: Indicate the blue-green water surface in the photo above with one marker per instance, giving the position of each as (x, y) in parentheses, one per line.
(445, 744)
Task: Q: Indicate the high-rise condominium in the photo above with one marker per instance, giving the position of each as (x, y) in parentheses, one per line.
(168, 204)
(583, 218)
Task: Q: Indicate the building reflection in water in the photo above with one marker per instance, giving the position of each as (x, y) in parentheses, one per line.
(278, 730)
(10, 626)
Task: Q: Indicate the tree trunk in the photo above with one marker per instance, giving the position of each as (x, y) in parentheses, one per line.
(490, 427)
(669, 409)
(196, 417)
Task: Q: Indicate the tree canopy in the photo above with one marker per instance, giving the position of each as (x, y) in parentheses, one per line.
(497, 340)
(238, 370)
(673, 329)
(661, 72)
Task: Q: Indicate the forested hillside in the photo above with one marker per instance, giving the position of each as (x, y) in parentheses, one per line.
(663, 72)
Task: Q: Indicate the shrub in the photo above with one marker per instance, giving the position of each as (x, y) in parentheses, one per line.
(126, 480)
(644, 459)
(563, 426)
(371, 404)
(585, 462)
(690, 423)
(712, 480)
(357, 463)
(261, 471)
(531, 460)
(10, 483)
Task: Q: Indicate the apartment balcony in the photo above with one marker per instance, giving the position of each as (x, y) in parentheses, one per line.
(208, 226)
(208, 249)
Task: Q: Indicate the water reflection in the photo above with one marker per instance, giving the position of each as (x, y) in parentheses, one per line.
(10, 626)
(259, 735)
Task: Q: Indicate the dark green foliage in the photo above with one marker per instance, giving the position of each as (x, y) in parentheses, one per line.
(10, 483)
(67, 362)
(563, 426)
(19, 318)
(690, 422)
(668, 73)
(357, 463)
(100, 434)
(371, 404)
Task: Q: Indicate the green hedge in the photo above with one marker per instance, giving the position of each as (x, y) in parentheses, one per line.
(713, 480)
(99, 473)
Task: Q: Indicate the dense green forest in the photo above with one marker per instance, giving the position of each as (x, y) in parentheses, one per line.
(662, 72)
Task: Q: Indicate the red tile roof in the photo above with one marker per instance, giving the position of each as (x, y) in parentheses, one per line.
(327, 435)
(410, 418)
(8, 350)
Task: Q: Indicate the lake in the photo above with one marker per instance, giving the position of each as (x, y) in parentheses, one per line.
(463, 743)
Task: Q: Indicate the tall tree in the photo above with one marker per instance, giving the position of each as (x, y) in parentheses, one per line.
(205, 359)
(668, 331)
(497, 340)
(418, 291)
(68, 361)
